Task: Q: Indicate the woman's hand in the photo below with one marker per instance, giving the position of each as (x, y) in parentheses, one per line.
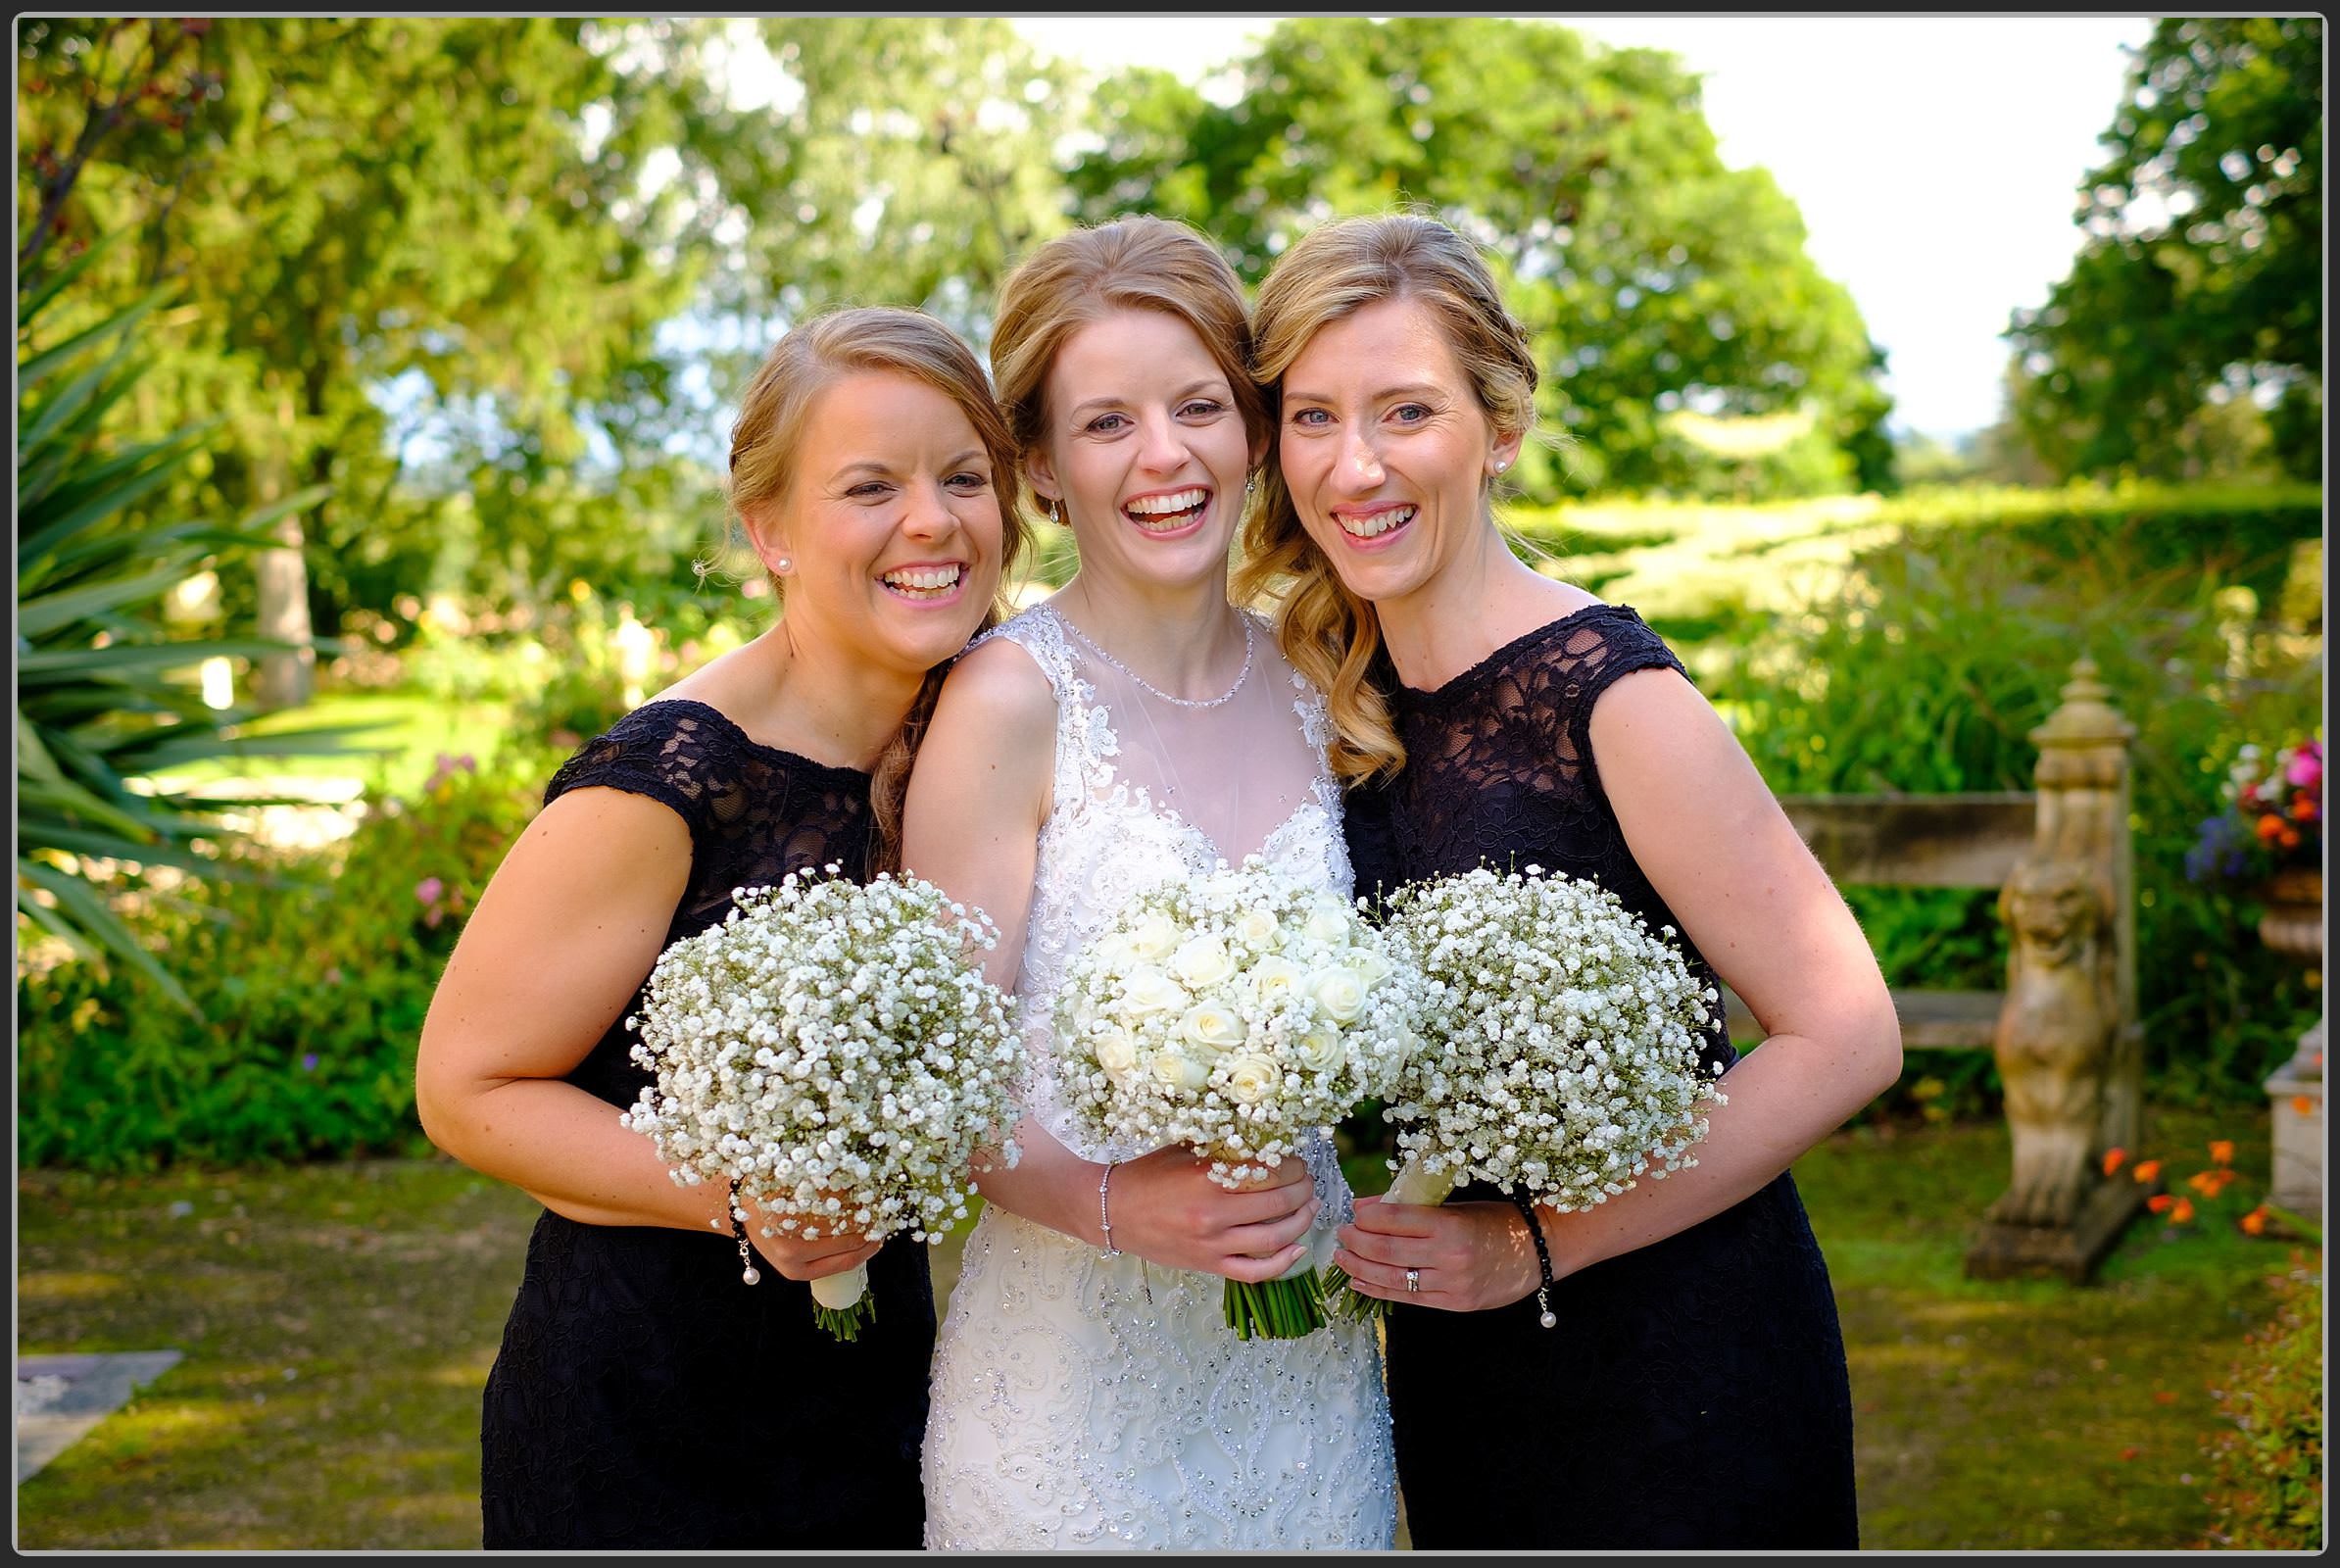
(1466, 1256)
(1166, 1209)
(798, 1259)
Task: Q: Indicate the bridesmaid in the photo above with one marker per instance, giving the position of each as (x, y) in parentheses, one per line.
(1693, 1393)
(645, 1396)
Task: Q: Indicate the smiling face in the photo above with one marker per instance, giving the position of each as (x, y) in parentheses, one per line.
(1146, 450)
(889, 540)
(1385, 448)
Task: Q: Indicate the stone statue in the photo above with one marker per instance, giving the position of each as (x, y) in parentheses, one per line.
(2055, 1041)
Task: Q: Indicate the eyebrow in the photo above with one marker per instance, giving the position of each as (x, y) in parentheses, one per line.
(1410, 389)
(885, 470)
(1214, 384)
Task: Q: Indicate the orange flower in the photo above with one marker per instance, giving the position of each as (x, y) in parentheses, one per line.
(2269, 825)
(2289, 838)
(2255, 1222)
(2305, 1104)
(2304, 809)
(2113, 1160)
(2147, 1169)
(2160, 1202)
(2182, 1213)
(2221, 1150)
(2206, 1183)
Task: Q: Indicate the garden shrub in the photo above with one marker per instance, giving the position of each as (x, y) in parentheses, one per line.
(312, 987)
(2266, 1480)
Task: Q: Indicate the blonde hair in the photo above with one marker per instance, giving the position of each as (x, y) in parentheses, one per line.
(766, 441)
(1330, 634)
(1138, 262)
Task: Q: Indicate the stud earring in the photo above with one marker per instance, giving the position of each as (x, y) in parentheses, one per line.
(1250, 483)
(780, 565)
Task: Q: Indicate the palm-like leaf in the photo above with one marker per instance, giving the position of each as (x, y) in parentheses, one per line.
(102, 695)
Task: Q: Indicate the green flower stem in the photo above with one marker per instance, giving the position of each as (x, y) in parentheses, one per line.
(1287, 1308)
(1411, 1185)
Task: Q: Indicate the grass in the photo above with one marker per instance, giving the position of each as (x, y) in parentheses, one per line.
(338, 1321)
(403, 733)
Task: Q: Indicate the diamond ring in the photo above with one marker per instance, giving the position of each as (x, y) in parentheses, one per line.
(1413, 1280)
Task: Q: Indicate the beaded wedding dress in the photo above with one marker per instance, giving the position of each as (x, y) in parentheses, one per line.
(1085, 1403)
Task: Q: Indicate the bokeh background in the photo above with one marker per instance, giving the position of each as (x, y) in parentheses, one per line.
(374, 381)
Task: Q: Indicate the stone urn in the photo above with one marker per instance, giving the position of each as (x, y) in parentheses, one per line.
(2293, 926)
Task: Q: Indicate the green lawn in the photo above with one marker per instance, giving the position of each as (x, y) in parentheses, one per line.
(403, 732)
(338, 1321)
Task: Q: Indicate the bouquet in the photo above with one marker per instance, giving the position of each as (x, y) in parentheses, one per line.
(2274, 816)
(835, 1052)
(1233, 1012)
(1561, 1050)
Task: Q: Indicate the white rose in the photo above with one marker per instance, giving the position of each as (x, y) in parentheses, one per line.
(1275, 977)
(1114, 954)
(1257, 927)
(1153, 937)
(1328, 922)
(1319, 1048)
(1177, 1071)
(1371, 965)
(1118, 1053)
(1149, 991)
(1203, 961)
(1339, 991)
(1252, 1078)
(1212, 1027)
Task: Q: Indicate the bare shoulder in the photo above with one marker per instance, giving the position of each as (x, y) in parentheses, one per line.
(998, 683)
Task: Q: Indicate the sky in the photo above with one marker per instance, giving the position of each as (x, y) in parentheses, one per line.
(1936, 160)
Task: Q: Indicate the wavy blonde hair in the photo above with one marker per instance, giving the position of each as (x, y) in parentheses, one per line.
(1137, 263)
(767, 437)
(1330, 634)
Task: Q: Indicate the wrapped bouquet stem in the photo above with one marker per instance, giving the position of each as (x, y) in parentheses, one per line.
(834, 1051)
(1233, 1013)
(1561, 1056)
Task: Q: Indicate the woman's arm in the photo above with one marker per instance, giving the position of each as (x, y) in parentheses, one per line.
(979, 794)
(1718, 850)
(569, 925)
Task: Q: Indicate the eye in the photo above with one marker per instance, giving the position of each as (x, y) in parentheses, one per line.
(1410, 413)
(970, 481)
(1107, 423)
(1202, 409)
(867, 490)
(1310, 419)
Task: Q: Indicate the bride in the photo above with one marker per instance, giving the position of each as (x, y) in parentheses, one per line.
(1134, 727)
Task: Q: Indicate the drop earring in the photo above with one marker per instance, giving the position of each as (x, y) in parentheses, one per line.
(1047, 507)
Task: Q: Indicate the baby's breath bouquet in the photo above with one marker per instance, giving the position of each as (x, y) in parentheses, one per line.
(1233, 1012)
(1561, 1050)
(835, 1049)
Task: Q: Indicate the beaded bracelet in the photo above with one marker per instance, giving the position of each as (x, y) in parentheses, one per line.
(738, 1234)
(1104, 1218)
(1544, 1259)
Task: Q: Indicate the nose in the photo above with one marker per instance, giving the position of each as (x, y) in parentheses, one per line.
(1163, 450)
(927, 513)
(1361, 462)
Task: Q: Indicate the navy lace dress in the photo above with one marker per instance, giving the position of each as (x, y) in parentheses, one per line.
(1694, 1394)
(645, 1396)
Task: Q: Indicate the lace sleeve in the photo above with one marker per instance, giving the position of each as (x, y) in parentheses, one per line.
(1610, 643)
(657, 751)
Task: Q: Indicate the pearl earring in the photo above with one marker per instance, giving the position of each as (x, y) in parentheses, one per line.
(1250, 483)
(780, 565)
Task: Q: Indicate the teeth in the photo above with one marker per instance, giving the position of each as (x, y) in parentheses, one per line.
(923, 579)
(1381, 523)
(1156, 505)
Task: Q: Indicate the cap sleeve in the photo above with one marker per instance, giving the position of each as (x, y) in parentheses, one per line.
(1607, 644)
(661, 750)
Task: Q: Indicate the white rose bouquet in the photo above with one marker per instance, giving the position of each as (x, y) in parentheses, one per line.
(1233, 1012)
(1561, 1050)
(835, 1052)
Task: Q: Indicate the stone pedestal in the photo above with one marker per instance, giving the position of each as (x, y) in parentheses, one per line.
(2069, 1254)
(2295, 1100)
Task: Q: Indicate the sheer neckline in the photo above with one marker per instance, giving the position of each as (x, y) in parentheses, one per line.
(1500, 658)
(731, 726)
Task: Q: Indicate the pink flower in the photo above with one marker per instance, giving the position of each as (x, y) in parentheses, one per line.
(2306, 767)
(428, 890)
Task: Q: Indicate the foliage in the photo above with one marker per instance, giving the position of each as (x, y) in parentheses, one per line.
(2198, 285)
(2266, 1478)
(1653, 280)
(104, 700)
(1946, 645)
(314, 992)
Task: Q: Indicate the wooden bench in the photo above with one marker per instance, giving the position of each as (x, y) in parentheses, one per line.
(2064, 1030)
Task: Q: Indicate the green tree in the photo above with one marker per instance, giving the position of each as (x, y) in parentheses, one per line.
(452, 211)
(2200, 280)
(1654, 278)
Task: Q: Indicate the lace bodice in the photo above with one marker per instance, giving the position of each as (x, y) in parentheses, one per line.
(1107, 837)
(1081, 1401)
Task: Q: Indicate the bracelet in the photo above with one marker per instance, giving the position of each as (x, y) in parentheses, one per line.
(1544, 1259)
(738, 1234)
(1103, 1217)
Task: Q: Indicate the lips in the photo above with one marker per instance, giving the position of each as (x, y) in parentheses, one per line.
(929, 582)
(1367, 526)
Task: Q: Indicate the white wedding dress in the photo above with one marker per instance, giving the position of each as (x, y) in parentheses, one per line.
(1088, 1404)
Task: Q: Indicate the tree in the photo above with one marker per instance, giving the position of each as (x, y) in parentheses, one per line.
(453, 208)
(1652, 278)
(2200, 279)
